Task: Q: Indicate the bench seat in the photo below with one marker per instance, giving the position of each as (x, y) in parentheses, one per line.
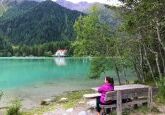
(127, 104)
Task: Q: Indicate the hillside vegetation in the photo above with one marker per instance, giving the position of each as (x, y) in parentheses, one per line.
(32, 27)
(38, 23)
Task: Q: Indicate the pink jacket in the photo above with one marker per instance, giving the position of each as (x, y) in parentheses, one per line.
(103, 89)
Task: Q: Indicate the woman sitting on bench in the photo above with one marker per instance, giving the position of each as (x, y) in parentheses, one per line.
(107, 86)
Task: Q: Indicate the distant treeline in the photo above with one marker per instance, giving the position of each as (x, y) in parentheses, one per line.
(46, 49)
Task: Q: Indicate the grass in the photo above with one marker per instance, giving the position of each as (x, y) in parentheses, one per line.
(41, 110)
(74, 97)
(142, 110)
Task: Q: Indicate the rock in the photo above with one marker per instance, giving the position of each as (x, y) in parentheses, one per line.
(63, 100)
(92, 103)
(69, 110)
(81, 102)
(47, 101)
(82, 113)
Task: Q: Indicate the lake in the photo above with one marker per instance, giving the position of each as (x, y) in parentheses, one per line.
(21, 72)
(37, 78)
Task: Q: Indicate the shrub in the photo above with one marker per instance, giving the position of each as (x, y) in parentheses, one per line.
(1, 94)
(14, 109)
(161, 93)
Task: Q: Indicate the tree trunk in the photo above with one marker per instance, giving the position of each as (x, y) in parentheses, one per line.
(158, 66)
(158, 35)
(125, 76)
(137, 70)
(117, 73)
(157, 63)
(141, 63)
(123, 69)
(149, 65)
(163, 62)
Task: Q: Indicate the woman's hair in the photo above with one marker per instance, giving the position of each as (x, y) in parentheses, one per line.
(110, 80)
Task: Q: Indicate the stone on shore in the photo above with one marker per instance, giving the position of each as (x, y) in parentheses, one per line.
(63, 100)
(47, 101)
(92, 103)
(82, 113)
(69, 110)
(81, 102)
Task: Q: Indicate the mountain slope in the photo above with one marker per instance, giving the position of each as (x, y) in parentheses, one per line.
(5, 4)
(46, 22)
(18, 9)
(107, 15)
(81, 6)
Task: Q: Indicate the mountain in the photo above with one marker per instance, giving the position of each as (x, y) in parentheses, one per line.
(107, 15)
(3, 8)
(81, 6)
(42, 22)
(17, 9)
(7, 4)
(110, 15)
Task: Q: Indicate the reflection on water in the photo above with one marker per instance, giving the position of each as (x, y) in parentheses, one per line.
(17, 73)
(60, 61)
(34, 78)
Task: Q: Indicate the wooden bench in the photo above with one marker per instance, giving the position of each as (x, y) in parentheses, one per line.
(137, 96)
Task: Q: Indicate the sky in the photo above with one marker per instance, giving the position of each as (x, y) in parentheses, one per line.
(110, 2)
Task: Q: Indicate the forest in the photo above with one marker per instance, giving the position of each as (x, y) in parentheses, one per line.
(136, 39)
(45, 49)
(138, 42)
(29, 27)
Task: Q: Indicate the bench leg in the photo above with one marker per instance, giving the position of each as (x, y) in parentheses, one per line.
(119, 103)
(106, 111)
(102, 112)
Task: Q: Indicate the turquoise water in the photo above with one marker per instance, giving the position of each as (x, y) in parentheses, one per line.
(25, 72)
(34, 79)
(18, 72)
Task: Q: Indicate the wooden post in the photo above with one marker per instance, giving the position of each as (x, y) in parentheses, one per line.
(119, 103)
(151, 101)
(149, 97)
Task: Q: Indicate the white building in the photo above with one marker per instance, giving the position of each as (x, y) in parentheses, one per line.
(61, 53)
(60, 61)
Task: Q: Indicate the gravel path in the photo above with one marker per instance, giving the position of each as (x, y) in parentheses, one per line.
(81, 109)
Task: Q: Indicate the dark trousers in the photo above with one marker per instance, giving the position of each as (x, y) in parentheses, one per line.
(98, 102)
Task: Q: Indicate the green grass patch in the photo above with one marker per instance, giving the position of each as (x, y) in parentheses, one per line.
(141, 110)
(74, 97)
(41, 110)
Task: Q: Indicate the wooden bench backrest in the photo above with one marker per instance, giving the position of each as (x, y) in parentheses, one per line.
(128, 93)
(111, 95)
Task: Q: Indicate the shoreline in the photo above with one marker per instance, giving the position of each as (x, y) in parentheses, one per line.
(73, 98)
(32, 94)
(30, 107)
(76, 103)
(33, 100)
